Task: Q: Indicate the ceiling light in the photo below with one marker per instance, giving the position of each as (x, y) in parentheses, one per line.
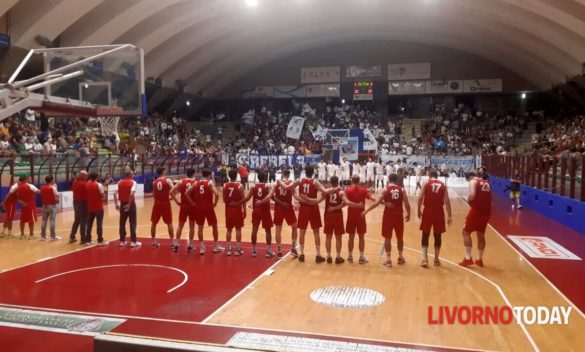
(252, 3)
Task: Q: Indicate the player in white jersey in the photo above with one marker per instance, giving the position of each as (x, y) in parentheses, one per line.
(418, 175)
(370, 173)
(363, 172)
(389, 168)
(355, 169)
(331, 169)
(344, 167)
(379, 174)
(322, 171)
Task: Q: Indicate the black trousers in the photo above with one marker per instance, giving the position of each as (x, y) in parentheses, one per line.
(99, 216)
(124, 217)
(80, 221)
(271, 177)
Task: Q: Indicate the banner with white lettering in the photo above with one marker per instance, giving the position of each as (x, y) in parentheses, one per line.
(444, 87)
(295, 127)
(407, 87)
(482, 85)
(290, 91)
(323, 90)
(323, 74)
(399, 72)
(255, 161)
(363, 71)
(407, 160)
(454, 162)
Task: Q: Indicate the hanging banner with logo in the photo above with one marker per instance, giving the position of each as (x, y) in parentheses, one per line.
(454, 162)
(323, 90)
(258, 92)
(407, 87)
(295, 127)
(363, 71)
(255, 161)
(399, 72)
(319, 133)
(444, 87)
(323, 74)
(370, 142)
(482, 85)
(290, 91)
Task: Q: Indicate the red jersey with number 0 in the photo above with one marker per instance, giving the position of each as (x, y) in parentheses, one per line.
(260, 191)
(203, 195)
(395, 196)
(161, 189)
(434, 194)
(282, 194)
(483, 195)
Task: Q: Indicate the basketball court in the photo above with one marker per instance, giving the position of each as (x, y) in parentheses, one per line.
(264, 303)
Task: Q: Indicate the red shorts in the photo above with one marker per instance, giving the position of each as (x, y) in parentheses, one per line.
(261, 215)
(234, 218)
(161, 210)
(281, 214)
(309, 214)
(28, 213)
(334, 223)
(187, 212)
(206, 214)
(393, 222)
(434, 220)
(476, 220)
(355, 223)
(10, 208)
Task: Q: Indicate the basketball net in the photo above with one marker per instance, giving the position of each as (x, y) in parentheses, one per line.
(109, 125)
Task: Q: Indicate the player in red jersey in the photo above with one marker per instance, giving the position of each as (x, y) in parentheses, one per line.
(356, 223)
(480, 202)
(309, 209)
(284, 210)
(9, 206)
(261, 194)
(393, 198)
(161, 191)
(333, 218)
(186, 210)
(433, 196)
(28, 209)
(205, 197)
(233, 192)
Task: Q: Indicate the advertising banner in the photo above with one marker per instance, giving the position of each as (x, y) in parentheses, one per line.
(454, 162)
(482, 85)
(444, 87)
(409, 71)
(290, 91)
(407, 87)
(323, 90)
(363, 71)
(323, 74)
(255, 161)
(258, 92)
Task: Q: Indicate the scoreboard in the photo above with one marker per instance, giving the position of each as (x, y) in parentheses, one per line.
(363, 90)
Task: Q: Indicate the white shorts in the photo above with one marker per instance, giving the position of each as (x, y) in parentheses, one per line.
(322, 177)
(371, 177)
(345, 176)
(418, 178)
(362, 178)
(380, 178)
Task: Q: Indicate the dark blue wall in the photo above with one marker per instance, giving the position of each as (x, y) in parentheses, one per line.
(566, 211)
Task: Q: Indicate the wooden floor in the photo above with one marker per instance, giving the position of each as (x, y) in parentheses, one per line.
(281, 301)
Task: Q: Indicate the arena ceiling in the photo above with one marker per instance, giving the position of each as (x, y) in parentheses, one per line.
(211, 43)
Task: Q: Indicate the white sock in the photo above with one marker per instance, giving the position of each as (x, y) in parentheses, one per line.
(229, 245)
(437, 252)
(479, 254)
(190, 243)
(388, 255)
(468, 253)
(238, 246)
(202, 244)
(425, 251)
(302, 247)
(362, 254)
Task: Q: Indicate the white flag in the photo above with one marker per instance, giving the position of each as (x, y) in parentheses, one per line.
(320, 133)
(295, 126)
(370, 142)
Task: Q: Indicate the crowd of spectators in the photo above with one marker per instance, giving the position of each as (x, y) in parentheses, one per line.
(562, 135)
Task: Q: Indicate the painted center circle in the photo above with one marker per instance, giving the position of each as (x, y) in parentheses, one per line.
(347, 297)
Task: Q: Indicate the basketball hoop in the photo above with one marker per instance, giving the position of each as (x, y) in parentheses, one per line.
(108, 125)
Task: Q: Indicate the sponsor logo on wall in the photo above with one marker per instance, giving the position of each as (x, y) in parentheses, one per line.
(408, 71)
(363, 71)
(323, 90)
(323, 74)
(482, 85)
(444, 87)
(407, 87)
(290, 91)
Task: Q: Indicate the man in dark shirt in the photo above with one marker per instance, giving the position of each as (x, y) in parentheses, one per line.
(271, 172)
(298, 168)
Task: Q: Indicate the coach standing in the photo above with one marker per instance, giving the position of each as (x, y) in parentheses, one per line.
(79, 206)
(243, 171)
(125, 194)
(95, 210)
